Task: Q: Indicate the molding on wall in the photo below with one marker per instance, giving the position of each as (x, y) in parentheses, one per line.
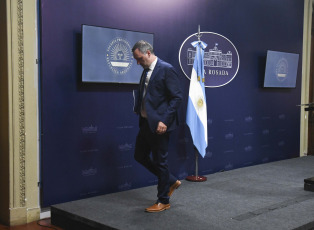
(20, 34)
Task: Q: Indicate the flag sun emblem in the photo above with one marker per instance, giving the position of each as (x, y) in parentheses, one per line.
(200, 102)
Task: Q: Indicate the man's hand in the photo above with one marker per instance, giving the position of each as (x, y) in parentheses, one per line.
(161, 128)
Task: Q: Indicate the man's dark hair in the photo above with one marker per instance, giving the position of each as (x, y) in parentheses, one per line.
(143, 47)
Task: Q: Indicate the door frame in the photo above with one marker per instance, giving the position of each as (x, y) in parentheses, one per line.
(306, 64)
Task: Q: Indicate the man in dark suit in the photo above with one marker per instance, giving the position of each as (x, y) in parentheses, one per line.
(158, 99)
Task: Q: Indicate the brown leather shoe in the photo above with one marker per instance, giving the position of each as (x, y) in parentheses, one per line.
(158, 207)
(173, 187)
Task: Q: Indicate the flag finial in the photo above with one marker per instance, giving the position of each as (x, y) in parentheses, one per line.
(199, 33)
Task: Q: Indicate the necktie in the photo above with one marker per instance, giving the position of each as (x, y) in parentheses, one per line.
(142, 83)
(142, 90)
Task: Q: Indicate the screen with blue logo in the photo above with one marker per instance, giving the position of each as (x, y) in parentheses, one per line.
(107, 55)
(281, 69)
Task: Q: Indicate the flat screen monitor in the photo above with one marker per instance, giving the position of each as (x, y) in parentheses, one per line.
(107, 55)
(281, 69)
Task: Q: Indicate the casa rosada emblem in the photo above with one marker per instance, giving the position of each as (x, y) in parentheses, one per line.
(221, 58)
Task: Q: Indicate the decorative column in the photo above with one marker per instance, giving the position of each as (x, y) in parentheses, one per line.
(21, 139)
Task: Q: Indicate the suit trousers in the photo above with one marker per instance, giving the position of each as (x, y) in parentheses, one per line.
(151, 150)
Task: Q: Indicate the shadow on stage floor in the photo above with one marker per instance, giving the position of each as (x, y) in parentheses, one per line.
(267, 196)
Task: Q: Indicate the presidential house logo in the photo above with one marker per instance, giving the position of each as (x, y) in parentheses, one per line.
(119, 56)
(221, 58)
(282, 69)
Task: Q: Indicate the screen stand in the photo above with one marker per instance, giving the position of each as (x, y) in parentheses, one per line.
(309, 184)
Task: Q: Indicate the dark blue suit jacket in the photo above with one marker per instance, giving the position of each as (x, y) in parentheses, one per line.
(163, 97)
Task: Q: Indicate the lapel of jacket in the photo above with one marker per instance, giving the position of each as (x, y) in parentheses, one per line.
(157, 66)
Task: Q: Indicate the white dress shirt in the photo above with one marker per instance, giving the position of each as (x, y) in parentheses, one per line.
(149, 74)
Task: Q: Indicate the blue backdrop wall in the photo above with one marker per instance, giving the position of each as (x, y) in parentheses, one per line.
(88, 130)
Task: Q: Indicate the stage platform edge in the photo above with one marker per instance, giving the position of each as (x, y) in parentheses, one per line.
(266, 196)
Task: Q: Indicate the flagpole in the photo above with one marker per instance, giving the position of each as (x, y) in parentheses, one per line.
(196, 177)
(199, 33)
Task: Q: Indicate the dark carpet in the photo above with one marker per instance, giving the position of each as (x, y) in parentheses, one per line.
(268, 196)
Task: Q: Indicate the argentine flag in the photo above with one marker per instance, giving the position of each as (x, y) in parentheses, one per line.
(196, 114)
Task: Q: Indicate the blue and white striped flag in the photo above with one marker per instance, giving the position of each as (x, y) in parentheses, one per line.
(196, 114)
